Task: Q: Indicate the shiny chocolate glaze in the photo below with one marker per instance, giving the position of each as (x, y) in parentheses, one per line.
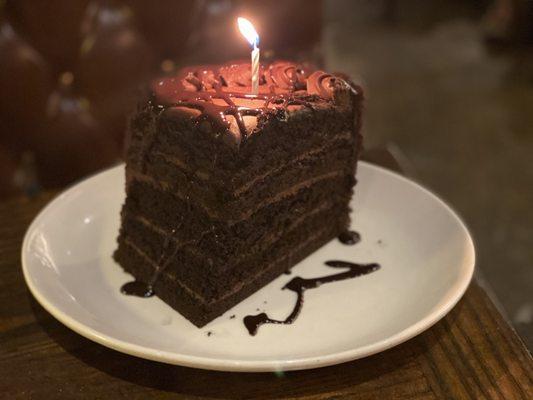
(218, 93)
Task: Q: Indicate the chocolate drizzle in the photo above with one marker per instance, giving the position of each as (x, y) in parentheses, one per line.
(299, 285)
(143, 289)
(166, 256)
(219, 92)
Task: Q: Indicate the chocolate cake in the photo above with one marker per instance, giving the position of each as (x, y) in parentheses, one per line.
(227, 190)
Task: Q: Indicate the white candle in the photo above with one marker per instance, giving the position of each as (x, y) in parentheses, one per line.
(249, 32)
(255, 70)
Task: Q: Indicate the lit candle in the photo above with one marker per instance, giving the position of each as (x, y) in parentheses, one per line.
(249, 32)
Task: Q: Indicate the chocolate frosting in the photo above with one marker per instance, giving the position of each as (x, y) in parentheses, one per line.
(220, 93)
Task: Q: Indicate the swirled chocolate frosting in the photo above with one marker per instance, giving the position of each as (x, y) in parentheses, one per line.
(220, 95)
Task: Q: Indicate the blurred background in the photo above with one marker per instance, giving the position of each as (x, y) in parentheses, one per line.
(449, 87)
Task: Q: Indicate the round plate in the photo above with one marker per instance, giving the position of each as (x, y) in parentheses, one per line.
(425, 251)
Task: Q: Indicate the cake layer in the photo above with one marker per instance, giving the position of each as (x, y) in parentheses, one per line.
(194, 272)
(200, 312)
(223, 240)
(165, 172)
(222, 170)
(187, 263)
(258, 192)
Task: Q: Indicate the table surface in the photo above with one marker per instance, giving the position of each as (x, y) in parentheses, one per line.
(472, 353)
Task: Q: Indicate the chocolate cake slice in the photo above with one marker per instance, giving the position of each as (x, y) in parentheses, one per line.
(227, 190)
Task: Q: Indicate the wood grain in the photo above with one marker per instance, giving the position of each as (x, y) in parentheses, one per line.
(471, 354)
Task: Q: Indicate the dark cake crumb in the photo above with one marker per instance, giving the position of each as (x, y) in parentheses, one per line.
(232, 316)
(209, 333)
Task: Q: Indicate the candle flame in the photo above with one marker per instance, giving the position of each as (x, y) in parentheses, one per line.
(248, 31)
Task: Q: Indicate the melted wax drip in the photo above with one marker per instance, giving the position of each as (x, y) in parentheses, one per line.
(299, 285)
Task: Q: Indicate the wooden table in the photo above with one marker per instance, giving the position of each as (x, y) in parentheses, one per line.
(471, 354)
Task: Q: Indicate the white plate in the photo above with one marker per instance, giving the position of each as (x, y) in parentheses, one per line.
(425, 251)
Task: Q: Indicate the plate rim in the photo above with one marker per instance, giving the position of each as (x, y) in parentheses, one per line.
(221, 364)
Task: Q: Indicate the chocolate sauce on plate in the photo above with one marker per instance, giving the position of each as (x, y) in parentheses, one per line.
(349, 238)
(299, 285)
(137, 288)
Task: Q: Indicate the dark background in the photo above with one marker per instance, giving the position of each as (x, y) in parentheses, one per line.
(449, 87)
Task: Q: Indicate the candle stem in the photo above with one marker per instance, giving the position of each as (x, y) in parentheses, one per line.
(255, 70)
